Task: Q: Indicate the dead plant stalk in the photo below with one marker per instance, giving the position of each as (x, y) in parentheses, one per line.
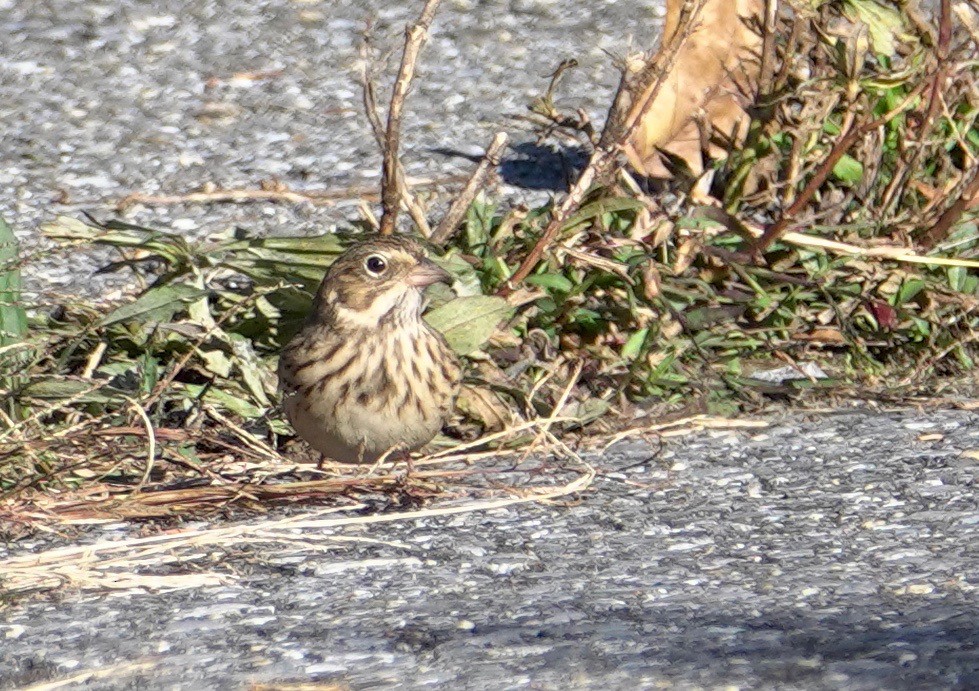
(852, 132)
(605, 156)
(457, 210)
(391, 190)
(369, 95)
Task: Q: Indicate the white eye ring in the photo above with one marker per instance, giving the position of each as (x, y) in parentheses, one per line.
(375, 265)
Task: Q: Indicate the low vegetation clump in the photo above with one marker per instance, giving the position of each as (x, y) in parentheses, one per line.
(837, 240)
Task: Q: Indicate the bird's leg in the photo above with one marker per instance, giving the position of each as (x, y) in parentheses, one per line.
(375, 465)
(409, 462)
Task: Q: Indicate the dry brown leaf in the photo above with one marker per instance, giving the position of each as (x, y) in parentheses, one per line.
(713, 69)
(650, 281)
(481, 404)
(685, 254)
(827, 335)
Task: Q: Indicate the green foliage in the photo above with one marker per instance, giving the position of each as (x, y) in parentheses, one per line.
(468, 322)
(631, 307)
(13, 320)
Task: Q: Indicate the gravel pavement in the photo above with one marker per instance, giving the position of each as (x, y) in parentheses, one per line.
(99, 99)
(840, 552)
(834, 553)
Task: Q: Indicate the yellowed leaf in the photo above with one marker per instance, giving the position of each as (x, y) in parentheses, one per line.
(481, 404)
(717, 63)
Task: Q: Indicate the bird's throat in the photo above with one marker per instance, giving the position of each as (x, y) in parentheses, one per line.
(395, 305)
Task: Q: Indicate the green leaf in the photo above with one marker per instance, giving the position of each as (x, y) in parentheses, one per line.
(13, 318)
(57, 388)
(250, 367)
(158, 304)
(479, 221)
(631, 348)
(848, 169)
(216, 362)
(555, 282)
(468, 322)
(908, 291)
(466, 280)
(150, 371)
(884, 23)
(596, 209)
(225, 400)
(956, 277)
(584, 411)
(171, 247)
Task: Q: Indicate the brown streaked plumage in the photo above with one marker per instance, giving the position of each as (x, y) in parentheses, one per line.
(366, 374)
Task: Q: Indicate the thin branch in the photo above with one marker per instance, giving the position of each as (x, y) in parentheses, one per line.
(369, 95)
(457, 210)
(391, 189)
(935, 98)
(853, 132)
(768, 48)
(417, 212)
(599, 163)
(952, 214)
(602, 160)
(278, 194)
(243, 196)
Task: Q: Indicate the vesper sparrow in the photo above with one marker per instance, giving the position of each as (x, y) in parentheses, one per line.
(366, 374)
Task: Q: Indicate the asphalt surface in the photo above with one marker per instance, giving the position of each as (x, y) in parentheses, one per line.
(103, 98)
(836, 553)
(840, 552)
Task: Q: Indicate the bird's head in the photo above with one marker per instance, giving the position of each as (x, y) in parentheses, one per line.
(377, 281)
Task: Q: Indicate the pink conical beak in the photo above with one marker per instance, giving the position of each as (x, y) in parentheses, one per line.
(428, 272)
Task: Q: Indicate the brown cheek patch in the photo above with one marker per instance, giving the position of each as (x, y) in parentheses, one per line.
(354, 293)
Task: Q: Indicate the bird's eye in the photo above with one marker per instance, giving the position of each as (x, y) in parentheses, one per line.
(375, 265)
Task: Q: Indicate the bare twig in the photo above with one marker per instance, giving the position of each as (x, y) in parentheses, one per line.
(457, 210)
(553, 119)
(369, 94)
(768, 47)
(391, 190)
(369, 90)
(938, 232)
(604, 157)
(244, 196)
(151, 443)
(935, 98)
(853, 132)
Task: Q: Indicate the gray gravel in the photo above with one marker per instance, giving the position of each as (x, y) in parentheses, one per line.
(837, 553)
(99, 99)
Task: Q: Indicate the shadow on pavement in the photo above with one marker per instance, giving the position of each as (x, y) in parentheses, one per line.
(534, 166)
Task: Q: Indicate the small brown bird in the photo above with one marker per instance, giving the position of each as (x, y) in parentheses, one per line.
(366, 374)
